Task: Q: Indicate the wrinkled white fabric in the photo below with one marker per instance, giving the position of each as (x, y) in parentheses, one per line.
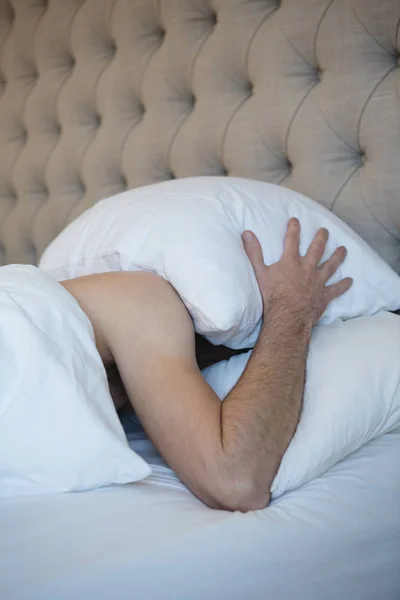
(59, 430)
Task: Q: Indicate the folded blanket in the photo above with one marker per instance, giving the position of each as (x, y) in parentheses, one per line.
(59, 430)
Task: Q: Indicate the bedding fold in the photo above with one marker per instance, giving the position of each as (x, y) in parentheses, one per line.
(59, 430)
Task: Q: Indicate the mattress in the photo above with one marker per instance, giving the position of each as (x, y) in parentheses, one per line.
(338, 537)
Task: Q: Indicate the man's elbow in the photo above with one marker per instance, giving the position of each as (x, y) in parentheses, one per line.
(244, 496)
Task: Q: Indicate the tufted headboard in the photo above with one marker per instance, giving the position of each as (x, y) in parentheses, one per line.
(100, 95)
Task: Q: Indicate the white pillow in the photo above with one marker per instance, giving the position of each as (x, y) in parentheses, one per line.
(352, 394)
(189, 231)
(59, 431)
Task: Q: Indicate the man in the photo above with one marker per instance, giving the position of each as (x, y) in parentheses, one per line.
(226, 453)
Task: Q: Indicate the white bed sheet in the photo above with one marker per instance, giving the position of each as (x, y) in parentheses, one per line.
(336, 538)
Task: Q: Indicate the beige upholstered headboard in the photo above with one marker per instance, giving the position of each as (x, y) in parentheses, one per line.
(100, 95)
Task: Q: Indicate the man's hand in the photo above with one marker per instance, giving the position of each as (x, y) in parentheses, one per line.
(296, 283)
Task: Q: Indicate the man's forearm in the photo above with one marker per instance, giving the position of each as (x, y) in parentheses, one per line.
(260, 414)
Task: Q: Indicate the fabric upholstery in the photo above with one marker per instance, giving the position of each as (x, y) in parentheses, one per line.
(97, 96)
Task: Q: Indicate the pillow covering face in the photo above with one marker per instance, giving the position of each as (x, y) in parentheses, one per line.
(352, 394)
(189, 232)
(59, 431)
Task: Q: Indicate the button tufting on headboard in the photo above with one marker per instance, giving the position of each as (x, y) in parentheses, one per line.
(248, 87)
(318, 73)
(111, 47)
(70, 61)
(117, 94)
(363, 158)
(8, 13)
(141, 109)
(288, 165)
(97, 120)
(190, 100)
(123, 184)
(23, 135)
(213, 19)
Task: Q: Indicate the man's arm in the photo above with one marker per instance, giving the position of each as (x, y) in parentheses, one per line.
(227, 453)
(261, 413)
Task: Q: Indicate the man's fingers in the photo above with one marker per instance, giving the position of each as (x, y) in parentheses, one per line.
(292, 239)
(329, 267)
(338, 289)
(253, 250)
(317, 247)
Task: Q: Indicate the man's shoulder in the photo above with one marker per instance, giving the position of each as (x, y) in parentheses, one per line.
(100, 283)
(130, 305)
(144, 292)
(101, 290)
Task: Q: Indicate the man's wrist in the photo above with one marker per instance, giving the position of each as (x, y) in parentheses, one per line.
(288, 320)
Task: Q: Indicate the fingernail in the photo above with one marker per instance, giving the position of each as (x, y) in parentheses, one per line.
(247, 236)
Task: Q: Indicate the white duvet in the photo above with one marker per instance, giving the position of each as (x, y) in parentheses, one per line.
(59, 431)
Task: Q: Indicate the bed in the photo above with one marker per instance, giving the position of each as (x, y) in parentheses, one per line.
(97, 97)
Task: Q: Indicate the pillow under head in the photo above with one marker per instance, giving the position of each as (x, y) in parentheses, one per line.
(189, 232)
